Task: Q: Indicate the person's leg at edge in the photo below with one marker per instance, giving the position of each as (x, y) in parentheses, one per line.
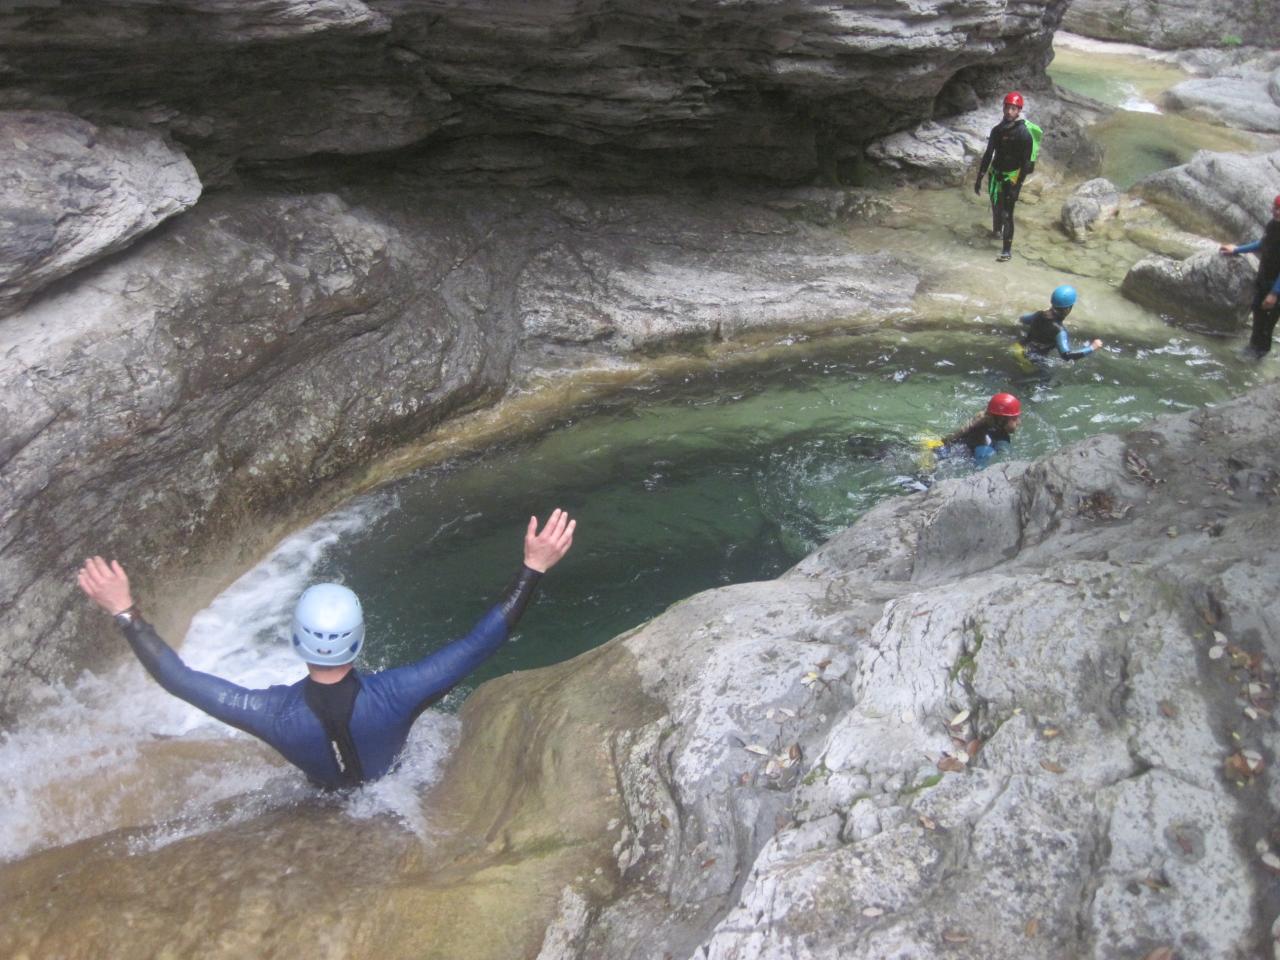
(1264, 323)
(1007, 200)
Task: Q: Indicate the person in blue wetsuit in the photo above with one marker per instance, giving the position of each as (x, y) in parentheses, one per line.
(989, 433)
(1046, 330)
(1266, 287)
(337, 725)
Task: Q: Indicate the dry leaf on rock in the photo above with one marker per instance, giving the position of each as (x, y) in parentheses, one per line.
(757, 748)
(1160, 953)
(950, 764)
(1052, 766)
(928, 822)
(872, 912)
(955, 936)
(1168, 710)
(1032, 927)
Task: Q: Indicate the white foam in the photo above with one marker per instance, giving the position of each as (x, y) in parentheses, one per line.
(114, 750)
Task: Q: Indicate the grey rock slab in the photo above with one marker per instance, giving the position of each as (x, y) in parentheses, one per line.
(73, 192)
(1234, 102)
(1205, 288)
(1092, 201)
(1217, 192)
(1172, 24)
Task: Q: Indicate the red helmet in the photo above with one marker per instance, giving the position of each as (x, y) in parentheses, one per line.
(1276, 204)
(1015, 98)
(1004, 405)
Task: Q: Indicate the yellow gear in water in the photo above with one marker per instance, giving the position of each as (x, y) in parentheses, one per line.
(1019, 351)
(926, 460)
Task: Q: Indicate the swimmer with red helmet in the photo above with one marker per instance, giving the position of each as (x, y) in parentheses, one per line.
(990, 432)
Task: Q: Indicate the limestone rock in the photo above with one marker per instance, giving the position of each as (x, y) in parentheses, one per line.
(1246, 103)
(1206, 287)
(1092, 201)
(1170, 24)
(1217, 193)
(74, 192)
(780, 90)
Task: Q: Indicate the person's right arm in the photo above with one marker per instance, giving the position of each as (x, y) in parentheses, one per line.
(1232, 249)
(107, 585)
(986, 160)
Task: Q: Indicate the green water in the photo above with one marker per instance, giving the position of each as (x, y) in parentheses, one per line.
(1138, 139)
(727, 475)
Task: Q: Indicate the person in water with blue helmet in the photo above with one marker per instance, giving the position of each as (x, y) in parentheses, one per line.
(339, 726)
(1046, 330)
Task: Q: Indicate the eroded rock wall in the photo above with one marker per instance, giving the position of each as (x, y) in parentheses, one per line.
(1172, 24)
(776, 89)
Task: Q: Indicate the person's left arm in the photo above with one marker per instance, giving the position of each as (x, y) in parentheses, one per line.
(417, 684)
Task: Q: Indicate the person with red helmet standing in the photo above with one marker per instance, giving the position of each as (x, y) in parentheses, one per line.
(990, 432)
(1266, 288)
(1008, 154)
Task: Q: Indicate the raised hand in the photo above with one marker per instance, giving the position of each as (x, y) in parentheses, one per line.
(544, 550)
(106, 584)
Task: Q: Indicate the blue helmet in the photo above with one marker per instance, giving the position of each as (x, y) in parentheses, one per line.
(1064, 297)
(328, 625)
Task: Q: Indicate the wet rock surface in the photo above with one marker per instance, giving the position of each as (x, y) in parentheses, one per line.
(1052, 682)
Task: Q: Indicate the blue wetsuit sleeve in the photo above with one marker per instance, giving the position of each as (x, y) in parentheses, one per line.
(1064, 348)
(1027, 318)
(1248, 247)
(240, 707)
(415, 685)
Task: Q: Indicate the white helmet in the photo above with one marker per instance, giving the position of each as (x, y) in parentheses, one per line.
(328, 625)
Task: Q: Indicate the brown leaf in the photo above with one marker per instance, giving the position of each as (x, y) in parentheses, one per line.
(707, 863)
(665, 821)
(1160, 953)
(1052, 766)
(1050, 732)
(1032, 927)
(950, 764)
(1168, 710)
(823, 664)
(972, 747)
(1237, 767)
(794, 752)
(928, 822)
(955, 936)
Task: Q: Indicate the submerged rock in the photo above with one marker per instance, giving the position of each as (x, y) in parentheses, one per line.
(1025, 682)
